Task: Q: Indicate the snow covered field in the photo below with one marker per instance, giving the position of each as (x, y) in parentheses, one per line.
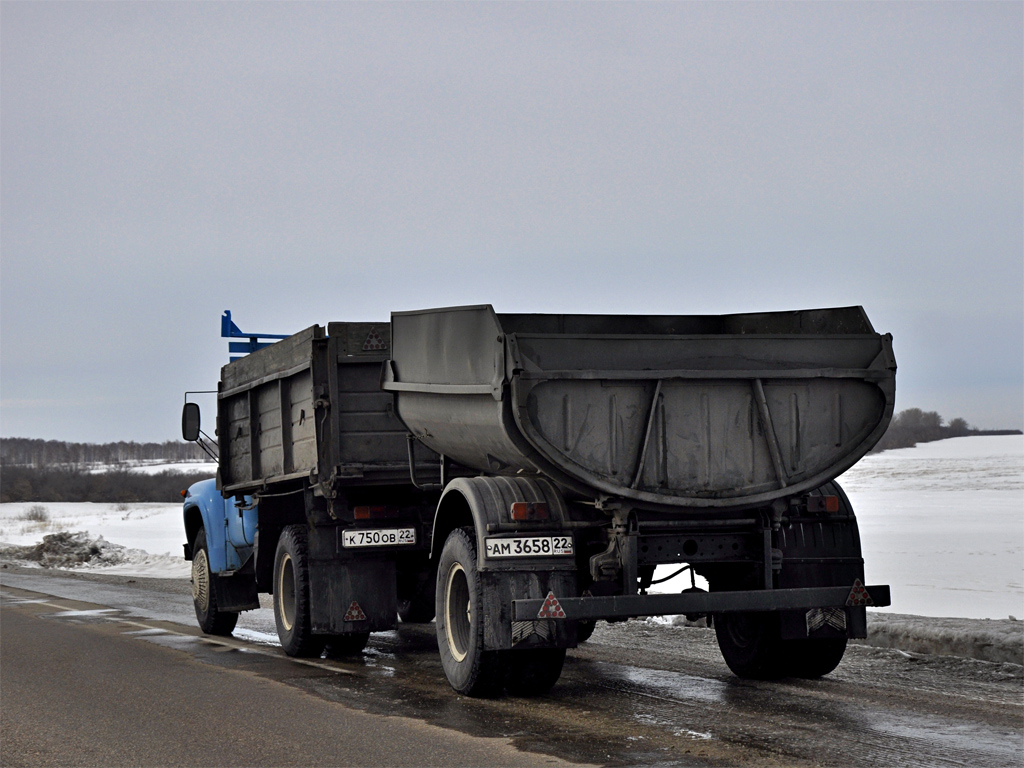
(208, 467)
(943, 523)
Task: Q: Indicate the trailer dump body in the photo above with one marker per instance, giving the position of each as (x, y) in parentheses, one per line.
(719, 412)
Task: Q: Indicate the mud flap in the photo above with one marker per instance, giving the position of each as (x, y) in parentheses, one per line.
(502, 587)
(235, 593)
(357, 596)
(817, 623)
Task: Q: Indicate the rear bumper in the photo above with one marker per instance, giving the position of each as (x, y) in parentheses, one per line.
(631, 606)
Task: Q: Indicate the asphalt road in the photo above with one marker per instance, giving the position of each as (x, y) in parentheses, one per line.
(85, 685)
(112, 671)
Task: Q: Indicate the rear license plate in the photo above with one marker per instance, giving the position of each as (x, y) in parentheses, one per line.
(529, 546)
(377, 537)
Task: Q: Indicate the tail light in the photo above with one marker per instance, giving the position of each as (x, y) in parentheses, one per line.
(523, 511)
(374, 513)
(823, 504)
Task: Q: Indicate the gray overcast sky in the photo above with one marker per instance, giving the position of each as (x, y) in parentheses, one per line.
(301, 163)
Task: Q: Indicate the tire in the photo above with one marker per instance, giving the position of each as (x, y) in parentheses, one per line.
(751, 645)
(471, 670)
(814, 658)
(584, 629)
(339, 646)
(533, 671)
(418, 606)
(291, 595)
(212, 620)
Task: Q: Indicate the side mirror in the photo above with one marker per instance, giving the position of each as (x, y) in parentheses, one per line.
(190, 422)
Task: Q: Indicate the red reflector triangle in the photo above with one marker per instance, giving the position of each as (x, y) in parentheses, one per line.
(374, 342)
(551, 609)
(859, 595)
(355, 613)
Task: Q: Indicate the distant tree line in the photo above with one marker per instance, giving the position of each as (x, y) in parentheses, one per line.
(48, 453)
(69, 484)
(55, 471)
(913, 426)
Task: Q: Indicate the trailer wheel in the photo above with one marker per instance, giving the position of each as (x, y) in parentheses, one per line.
(751, 644)
(532, 671)
(814, 658)
(470, 669)
(291, 595)
(346, 645)
(212, 620)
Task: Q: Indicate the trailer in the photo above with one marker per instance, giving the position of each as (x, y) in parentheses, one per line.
(521, 476)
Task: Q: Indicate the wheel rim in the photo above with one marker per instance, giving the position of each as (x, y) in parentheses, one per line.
(201, 580)
(286, 592)
(743, 630)
(457, 612)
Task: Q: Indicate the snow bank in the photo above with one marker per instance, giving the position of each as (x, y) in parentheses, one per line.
(149, 535)
(80, 551)
(998, 640)
(67, 550)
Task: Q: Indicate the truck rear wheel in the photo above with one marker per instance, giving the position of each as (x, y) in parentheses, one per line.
(533, 671)
(212, 620)
(291, 595)
(751, 644)
(470, 669)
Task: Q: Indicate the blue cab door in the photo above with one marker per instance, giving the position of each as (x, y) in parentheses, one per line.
(241, 523)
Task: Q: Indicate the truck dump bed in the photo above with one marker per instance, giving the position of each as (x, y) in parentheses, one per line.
(687, 411)
(311, 407)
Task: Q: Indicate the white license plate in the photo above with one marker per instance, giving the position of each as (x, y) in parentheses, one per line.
(529, 546)
(377, 537)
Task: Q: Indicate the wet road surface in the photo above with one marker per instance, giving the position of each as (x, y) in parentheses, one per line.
(636, 694)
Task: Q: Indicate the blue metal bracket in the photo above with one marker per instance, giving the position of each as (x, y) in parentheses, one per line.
(238, 349)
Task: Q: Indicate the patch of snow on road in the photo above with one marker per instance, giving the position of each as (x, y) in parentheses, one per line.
(262, 638)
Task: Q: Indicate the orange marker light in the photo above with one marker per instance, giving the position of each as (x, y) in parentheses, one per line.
(823, 504)
(529, 510)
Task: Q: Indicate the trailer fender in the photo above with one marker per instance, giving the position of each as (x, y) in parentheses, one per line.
(822, 552)
(484, 504)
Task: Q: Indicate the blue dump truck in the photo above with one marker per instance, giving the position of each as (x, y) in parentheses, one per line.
(517, 477)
